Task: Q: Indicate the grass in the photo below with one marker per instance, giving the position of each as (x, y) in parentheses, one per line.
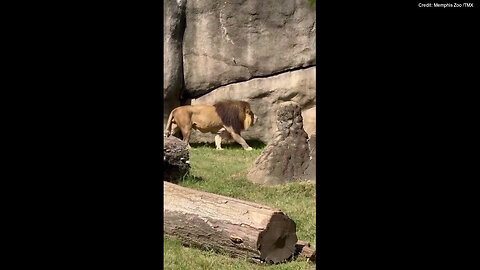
(224, 173)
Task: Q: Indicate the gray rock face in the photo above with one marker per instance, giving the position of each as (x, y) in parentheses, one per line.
(287, 156)
(234, 40)
(310, 121)
(174, 27)
(176, 162)
(311, 172)
(264, 96)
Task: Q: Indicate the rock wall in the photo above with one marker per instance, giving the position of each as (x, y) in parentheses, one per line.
(310, 120)
(263, 52)
(173, 31)
(232, 41)
(311, 171)
(264, 96)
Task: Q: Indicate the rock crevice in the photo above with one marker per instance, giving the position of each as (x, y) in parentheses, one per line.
(206, 91)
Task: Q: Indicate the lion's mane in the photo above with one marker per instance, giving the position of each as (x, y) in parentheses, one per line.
(232, 113)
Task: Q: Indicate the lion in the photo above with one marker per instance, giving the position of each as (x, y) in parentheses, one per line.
(225, 118)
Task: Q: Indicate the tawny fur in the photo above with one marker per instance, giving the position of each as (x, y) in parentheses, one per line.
(230, 116)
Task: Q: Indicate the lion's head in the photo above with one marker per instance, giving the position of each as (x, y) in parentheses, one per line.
(236, 114)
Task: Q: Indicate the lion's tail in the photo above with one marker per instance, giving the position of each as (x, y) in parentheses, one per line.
(168, 127)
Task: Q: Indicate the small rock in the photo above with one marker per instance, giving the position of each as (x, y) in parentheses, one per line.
(175, 159)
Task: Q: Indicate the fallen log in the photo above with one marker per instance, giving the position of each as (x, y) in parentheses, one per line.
(303, 249)
(237, 227)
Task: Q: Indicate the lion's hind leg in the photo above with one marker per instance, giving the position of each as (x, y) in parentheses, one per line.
(186, 136)
(186, 131)
(175, 131)
(184, 123)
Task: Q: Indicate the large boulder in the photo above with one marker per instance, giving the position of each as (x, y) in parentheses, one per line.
(264, 96)
(287, 157)
(236, 40)
(176, 163)
(310, 121)
(173, 29)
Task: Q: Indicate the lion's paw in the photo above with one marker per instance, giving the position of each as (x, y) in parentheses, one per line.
(249, 148)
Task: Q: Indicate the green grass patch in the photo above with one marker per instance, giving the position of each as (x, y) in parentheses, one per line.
(224, 173)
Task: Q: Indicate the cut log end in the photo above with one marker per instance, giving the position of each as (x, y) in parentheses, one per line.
(277, 242)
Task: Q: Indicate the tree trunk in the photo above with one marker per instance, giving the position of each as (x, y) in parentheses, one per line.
(240, 228)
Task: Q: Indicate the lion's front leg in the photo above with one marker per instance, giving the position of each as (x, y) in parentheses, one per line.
(239, 139)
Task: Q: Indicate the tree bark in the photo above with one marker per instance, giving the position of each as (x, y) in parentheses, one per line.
(240, 228)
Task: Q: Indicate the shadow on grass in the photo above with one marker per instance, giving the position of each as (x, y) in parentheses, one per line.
(233, 145)
(198, 145)
(256, 144)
